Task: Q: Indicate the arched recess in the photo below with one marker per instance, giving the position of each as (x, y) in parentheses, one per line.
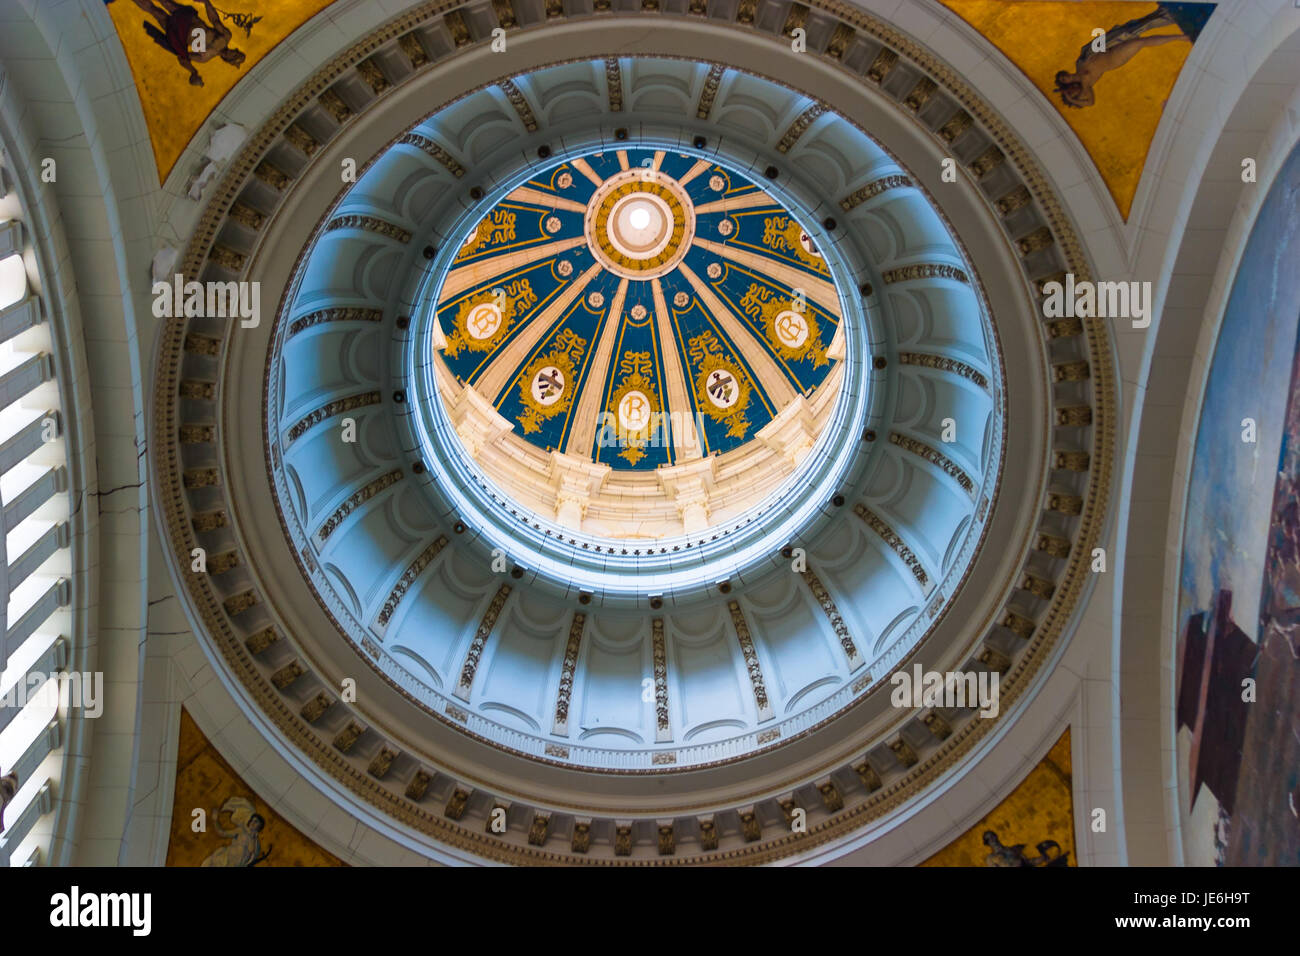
(1250, 117)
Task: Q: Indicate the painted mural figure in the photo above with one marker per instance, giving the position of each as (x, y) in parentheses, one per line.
(1126, 41)
(176, 32)
(245, 840)
(1014, 855)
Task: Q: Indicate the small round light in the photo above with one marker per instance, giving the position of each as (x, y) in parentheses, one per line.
(639, 218)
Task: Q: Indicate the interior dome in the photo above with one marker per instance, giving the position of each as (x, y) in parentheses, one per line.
(507, 650)
(368, 607)
(620, 275)
(649, 321)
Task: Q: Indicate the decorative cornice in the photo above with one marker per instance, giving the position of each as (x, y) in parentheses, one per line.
(456, 26)
(302, 139)
(413, 50)
(505, 14)
(796, 19)
(272, 175)
(959, 123)
(840, 41)
(335, 106)
(882, 65)
(247, 216)
(373, 76)
(920, 94)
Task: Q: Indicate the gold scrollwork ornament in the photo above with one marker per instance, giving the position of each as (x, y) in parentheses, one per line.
(484, 319)
(789, 325)
(783, 234)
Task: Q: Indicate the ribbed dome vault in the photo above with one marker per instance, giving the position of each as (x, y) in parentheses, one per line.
(623, 427)
(547, 305)
(639, 310)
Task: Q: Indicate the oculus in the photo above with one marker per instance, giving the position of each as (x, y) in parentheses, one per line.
(639, 224)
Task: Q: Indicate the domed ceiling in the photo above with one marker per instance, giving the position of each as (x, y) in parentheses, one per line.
(579, 300)
(627, 416)
(641, 308)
